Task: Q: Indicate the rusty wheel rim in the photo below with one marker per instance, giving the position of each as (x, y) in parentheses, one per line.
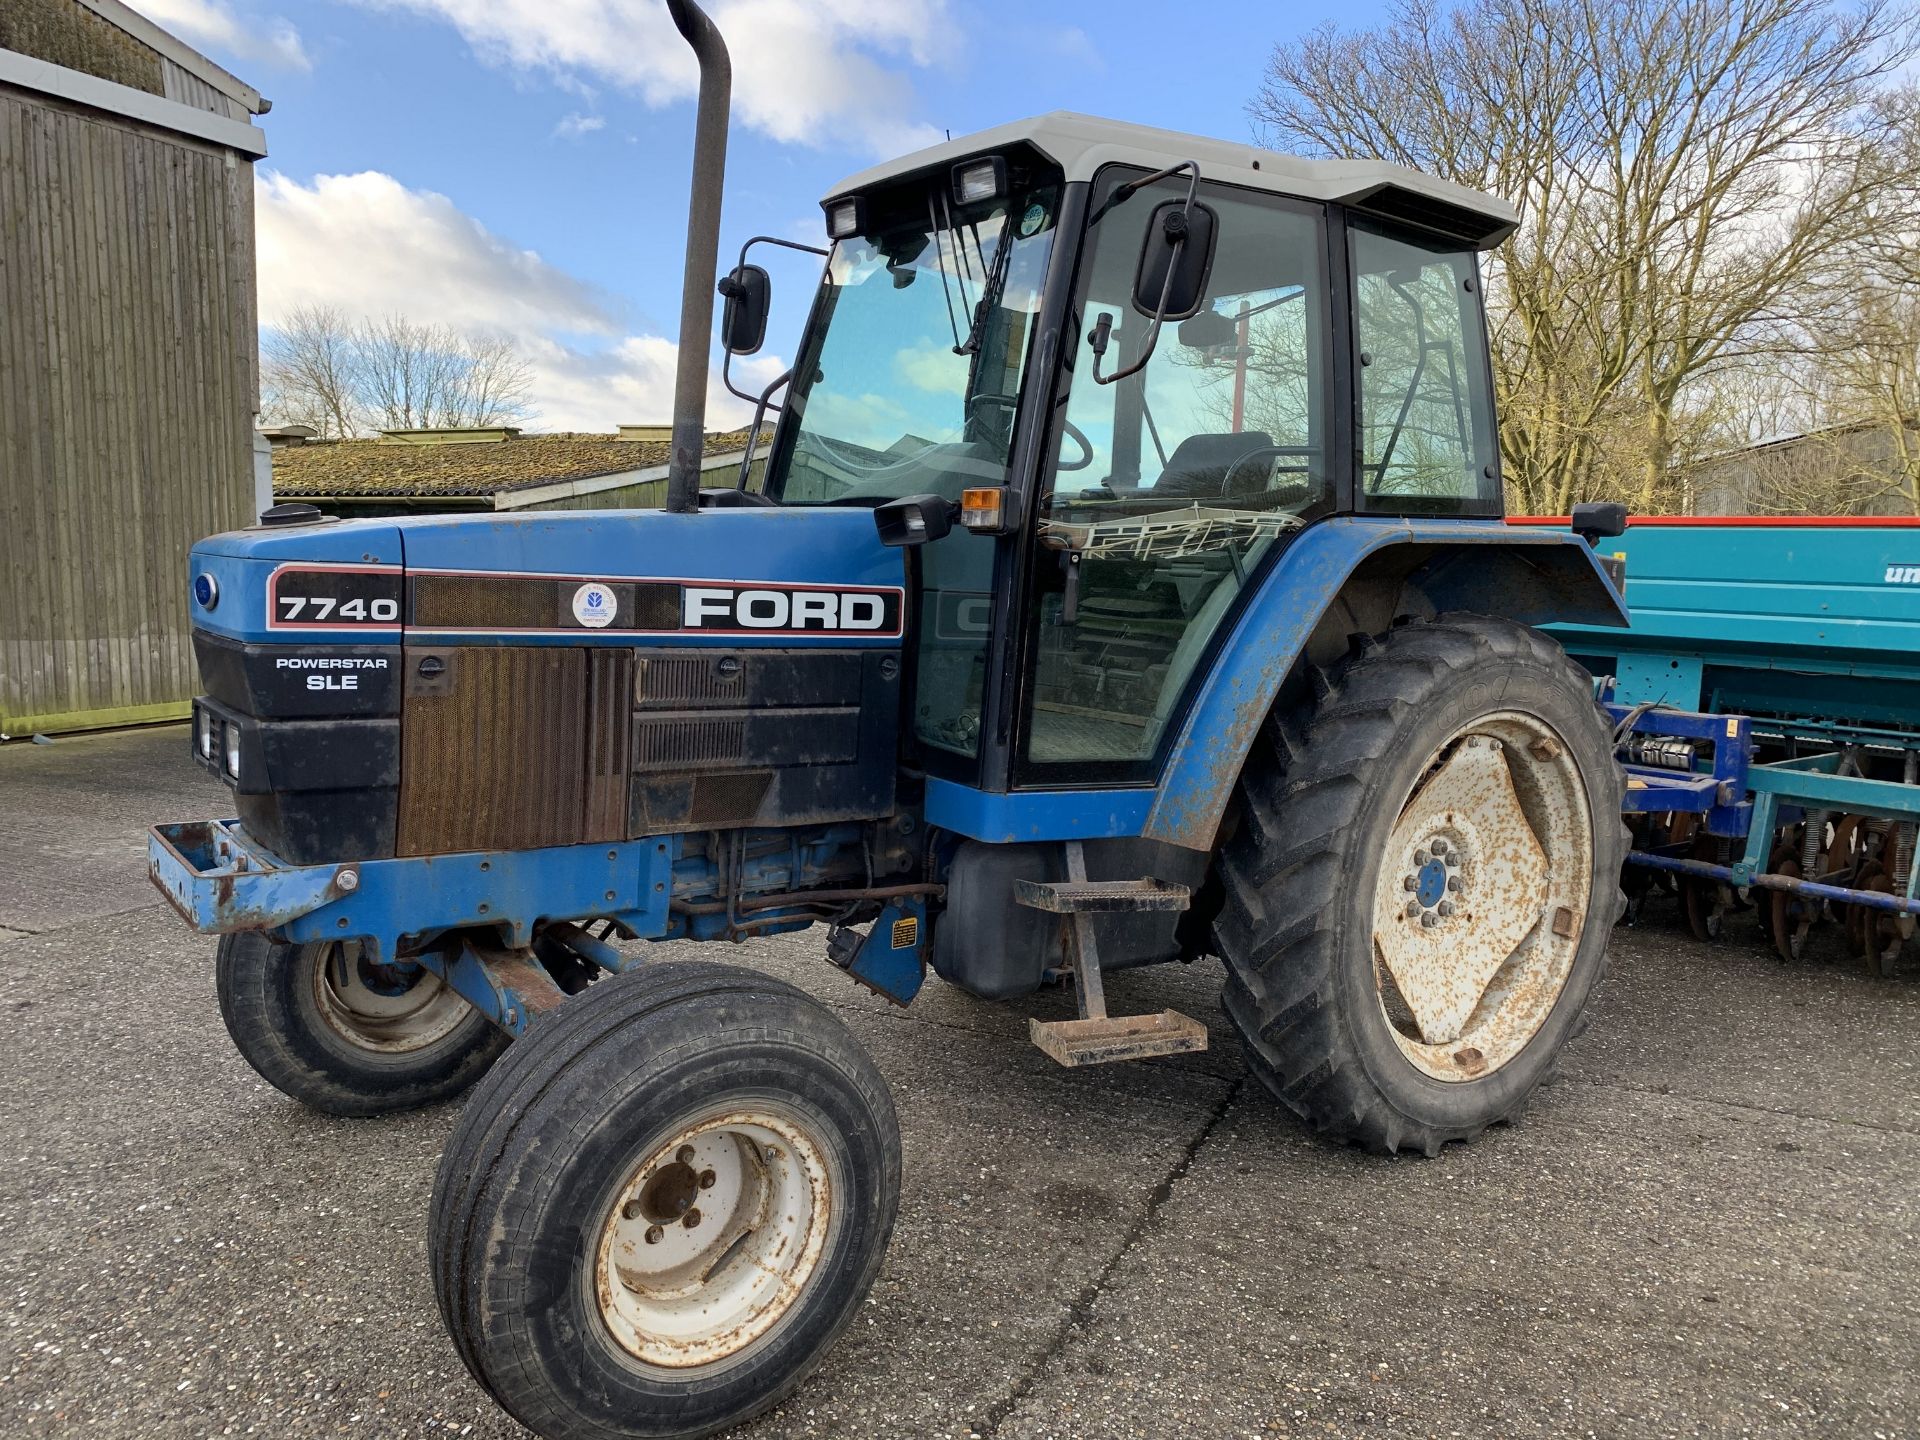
(712, 1238)
(384, 1008)
(1483, 895)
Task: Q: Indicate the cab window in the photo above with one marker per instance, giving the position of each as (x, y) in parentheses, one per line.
(1427, 441)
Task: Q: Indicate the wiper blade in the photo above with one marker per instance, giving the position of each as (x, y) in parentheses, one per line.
(989, 296)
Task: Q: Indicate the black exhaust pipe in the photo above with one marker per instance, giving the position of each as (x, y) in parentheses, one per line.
(703, 255)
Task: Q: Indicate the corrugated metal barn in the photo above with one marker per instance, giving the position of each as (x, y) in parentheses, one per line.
(128, 379)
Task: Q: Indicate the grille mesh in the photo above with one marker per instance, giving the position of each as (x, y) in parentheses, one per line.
(667, 744)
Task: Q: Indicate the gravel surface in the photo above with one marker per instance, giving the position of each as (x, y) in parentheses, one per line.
(1706, 1227)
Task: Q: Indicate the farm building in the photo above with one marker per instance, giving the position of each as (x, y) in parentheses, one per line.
(1860, 469)
(411, 472)
(127, 354)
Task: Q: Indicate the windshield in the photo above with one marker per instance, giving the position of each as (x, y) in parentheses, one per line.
(909, 380)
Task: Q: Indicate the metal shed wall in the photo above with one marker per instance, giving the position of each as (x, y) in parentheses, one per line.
(127, 394)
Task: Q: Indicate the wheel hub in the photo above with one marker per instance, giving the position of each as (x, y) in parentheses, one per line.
(1483, 888)
(712, 1239)
(390, 1008)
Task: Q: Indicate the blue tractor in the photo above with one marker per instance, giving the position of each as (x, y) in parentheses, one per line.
(1126, 581)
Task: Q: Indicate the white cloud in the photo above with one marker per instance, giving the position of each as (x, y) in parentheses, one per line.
(807, 71)
(213, 22)
(572, 127)
(371, 246)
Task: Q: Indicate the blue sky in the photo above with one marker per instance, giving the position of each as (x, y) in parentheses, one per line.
(521, 165)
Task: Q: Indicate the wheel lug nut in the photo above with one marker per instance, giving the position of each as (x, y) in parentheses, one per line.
(1420, 857)
(654, 1234)
(1429, 920)
(1413, 908)
(690, 1219)
(1412, 882)
(1446, 907)
(1439, 847)
(630, 1210)
(684, 1155)
(1453, 884)
(706, 1179)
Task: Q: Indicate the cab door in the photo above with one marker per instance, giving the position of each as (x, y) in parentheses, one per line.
(1171, 490)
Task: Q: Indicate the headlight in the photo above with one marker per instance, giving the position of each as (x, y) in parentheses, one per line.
(205, 738)
(233, 751)
(846, 218)
(978, 180)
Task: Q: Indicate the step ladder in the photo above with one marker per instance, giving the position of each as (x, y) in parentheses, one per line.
(1097, 1038)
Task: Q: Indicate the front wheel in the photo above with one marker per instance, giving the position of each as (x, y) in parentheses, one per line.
(660, 1211)
(345, 1035)
(1420, 892)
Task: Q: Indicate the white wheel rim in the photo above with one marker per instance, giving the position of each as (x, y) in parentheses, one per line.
(381, 1008)
(1482, 896)
(712, 1238)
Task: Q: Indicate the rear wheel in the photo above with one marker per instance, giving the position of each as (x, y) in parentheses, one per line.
(660, 1211)
(1423, 882)
(336, 1031)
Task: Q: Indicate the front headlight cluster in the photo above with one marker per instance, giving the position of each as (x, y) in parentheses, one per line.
(217, 742)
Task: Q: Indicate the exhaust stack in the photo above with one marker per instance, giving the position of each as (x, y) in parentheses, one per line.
(703, 254)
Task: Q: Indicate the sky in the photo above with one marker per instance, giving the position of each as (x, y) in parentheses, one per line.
(521, 166)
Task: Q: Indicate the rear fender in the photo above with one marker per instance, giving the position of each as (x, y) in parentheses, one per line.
(1355, 575)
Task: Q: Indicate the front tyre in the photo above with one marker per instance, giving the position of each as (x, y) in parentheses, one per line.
(659, 1212)
(1420, 892)
(344, 1035)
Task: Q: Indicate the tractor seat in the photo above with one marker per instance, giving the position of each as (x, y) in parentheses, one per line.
(1198, 467)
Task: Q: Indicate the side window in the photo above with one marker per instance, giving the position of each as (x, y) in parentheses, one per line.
(1427, 439)
(1169, 487)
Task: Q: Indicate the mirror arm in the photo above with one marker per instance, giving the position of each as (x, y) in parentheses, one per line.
(753, 432)
(1192, 167)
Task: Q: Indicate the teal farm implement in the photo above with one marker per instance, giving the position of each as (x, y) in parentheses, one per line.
(1767, 699)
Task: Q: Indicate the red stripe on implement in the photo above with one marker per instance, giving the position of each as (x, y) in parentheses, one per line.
(1755, 522)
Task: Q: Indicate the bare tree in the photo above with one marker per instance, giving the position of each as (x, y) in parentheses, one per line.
(322, 369)
(428, 376)
(1683, 172)
(310, 372)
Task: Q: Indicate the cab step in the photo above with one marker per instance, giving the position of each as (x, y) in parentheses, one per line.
(1100, 897)
(1097, 1038)
(1118, 1037)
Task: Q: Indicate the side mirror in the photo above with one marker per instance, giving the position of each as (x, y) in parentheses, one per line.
(1179, 237)
(1209, 330)
(914, 520)
(1594, 520)
(743, 324)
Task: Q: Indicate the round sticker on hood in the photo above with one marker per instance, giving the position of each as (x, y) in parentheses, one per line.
(594, 605)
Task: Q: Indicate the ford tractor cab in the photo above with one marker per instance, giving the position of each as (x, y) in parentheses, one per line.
(1126, 582)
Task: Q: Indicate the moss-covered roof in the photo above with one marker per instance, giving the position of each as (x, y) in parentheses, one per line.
(375, 469)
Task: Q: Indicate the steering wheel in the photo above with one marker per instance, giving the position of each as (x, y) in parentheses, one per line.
(1085, 457)
(1011, 402)
(1268, 453)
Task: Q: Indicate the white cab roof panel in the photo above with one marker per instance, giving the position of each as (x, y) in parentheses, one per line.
(1082, 144)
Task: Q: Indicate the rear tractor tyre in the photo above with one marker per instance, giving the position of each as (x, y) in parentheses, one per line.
(1422, 884)
(659, 1212)
(345, 1036)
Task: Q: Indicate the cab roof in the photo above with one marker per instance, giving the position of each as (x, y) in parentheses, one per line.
(1081, 144)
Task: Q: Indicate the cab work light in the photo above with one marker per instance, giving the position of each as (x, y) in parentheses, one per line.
(977, 180)
(846, 218)
(980, 508)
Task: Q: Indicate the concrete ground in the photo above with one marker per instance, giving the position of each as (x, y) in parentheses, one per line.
(1707, 1227)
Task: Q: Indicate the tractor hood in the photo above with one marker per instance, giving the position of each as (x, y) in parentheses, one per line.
(435, 685)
